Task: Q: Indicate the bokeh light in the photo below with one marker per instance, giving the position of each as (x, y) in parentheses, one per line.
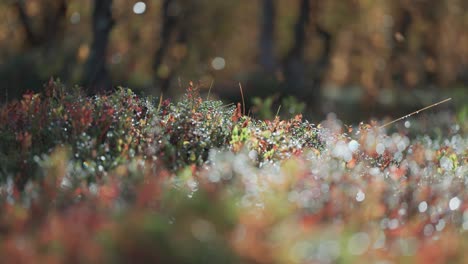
(218, 63)
(139, 8)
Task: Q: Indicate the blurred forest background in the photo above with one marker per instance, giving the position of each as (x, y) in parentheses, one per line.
(358, 58)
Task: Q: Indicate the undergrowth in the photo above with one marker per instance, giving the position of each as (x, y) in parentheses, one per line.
(122, 178)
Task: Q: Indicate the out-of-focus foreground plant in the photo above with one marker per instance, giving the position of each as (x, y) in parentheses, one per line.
(118, 178)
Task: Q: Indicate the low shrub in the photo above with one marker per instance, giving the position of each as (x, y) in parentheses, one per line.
(120, 178)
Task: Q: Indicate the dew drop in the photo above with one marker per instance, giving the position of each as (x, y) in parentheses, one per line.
(353, 145)
(422, 207)
(393, 224)
(380, 148)
(454, 203)
(440, 225)
(446, 163)
(428, 230)
(360, 196)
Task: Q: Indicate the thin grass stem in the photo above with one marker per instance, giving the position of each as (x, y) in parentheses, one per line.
(415, 112)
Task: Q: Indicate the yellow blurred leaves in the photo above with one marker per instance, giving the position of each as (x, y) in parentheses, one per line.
(83, 52)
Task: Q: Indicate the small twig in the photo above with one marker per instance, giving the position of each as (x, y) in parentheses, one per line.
(243, 102)
(416, 112)
(209, 90)
(226, 105)
(277, 112)
(160, 101)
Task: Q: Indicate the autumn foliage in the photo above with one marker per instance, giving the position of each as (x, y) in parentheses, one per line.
(119, 178)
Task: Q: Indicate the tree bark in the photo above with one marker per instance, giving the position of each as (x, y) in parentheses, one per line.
(293, 64)
(267, 42)
(323, 62)
(169, 22)
(31, 36)
(53, 22)
(97, 79)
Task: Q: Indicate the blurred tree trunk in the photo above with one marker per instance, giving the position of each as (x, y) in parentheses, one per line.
(32, 37)
(267, 41)
(97, 79)
(400, 30)
(175, 32)
(51, 27)
(54, 25)
(162, 74)
(293, 64)
(323, 62)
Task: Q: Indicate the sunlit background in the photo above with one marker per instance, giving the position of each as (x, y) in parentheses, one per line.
(376, 58)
